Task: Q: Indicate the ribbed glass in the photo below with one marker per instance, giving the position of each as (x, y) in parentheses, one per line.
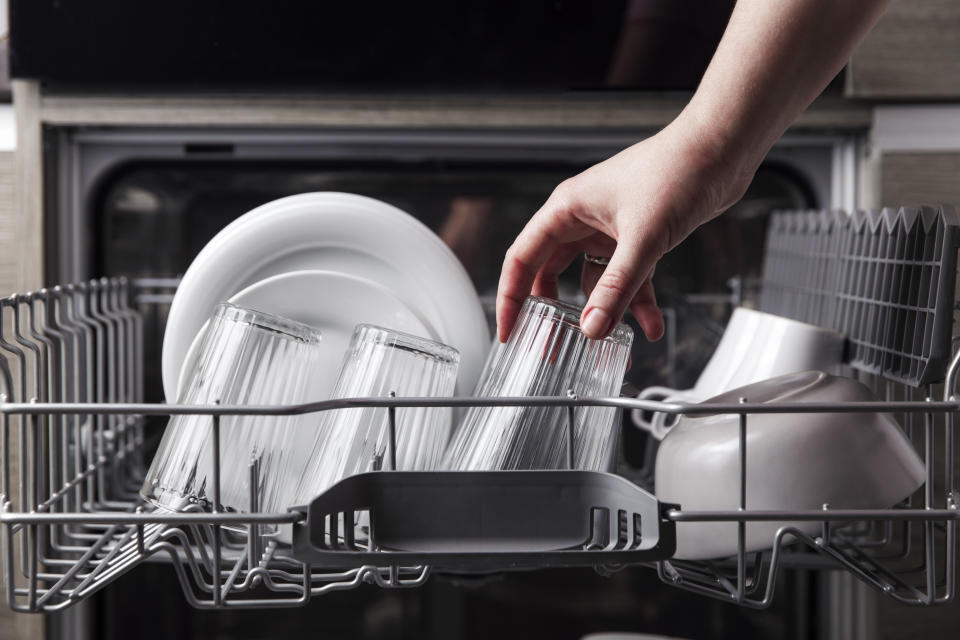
(546, 355)
(355, 440)
(246, 358)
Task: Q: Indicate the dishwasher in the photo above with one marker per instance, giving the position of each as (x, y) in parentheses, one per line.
(74, 418)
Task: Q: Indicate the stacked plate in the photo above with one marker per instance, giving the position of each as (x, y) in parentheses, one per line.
(332, 261)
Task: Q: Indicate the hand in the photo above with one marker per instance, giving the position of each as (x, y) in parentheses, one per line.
(632, 208)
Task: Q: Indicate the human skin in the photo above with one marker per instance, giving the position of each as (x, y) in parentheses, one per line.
(774, 58)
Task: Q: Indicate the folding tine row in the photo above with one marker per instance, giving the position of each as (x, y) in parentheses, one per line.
(885, 278)
(73, 520)
(73, 344)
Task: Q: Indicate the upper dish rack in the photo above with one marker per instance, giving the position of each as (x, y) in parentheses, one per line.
(72, 433)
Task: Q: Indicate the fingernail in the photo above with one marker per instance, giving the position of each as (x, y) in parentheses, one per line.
(596, 323)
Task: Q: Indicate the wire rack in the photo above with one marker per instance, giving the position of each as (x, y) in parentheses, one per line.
(72, 435)
(885, 278)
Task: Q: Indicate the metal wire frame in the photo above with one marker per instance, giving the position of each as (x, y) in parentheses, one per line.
(76, 475)
(877, 546)
(72, 522)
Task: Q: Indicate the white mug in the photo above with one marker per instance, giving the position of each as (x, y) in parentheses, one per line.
(794, 461)
(755, 346)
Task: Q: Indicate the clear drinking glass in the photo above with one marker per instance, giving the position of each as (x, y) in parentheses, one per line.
(546, 355)
(380, 361)
(246, 358)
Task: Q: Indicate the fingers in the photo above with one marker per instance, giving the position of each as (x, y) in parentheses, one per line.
(643, 306)
(545, 284)
(520, 268)
(538, 246)
(631, 266)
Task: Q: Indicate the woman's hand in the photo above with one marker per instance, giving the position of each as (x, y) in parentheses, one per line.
(773, 60)
(632, 209)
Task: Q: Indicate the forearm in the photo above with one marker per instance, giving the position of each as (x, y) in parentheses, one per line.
(775, 57)
(773, 60)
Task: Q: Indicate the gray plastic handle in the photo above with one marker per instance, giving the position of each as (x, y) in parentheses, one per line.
(487, 520)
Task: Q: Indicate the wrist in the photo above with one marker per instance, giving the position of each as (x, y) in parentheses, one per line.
(726, 161)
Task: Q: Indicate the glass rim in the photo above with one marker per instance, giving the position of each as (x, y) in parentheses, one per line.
(409, 342)
(570, 316)
(268, 321)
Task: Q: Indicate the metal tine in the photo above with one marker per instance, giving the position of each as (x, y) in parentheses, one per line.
(106, 375)
(253, 532)
(38, 388)
(89, 390)
(855, 556)
(80, 563)
(215, 461)
(38, 392)
(14, 393)
(124, 352)
(57, 434)
(125, 314)
(23, 459)
(80, 390)
(54, 445)
(64, 363)
(5, 489)
(47, 445)
(116, 340)
(928, 499)
(138, 341)
(60, 364)
(741, 526)
(134, 352)
(116, 367)
(106, 432)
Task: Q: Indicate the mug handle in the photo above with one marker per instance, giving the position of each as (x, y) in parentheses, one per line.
(662, 423)
(651, 393)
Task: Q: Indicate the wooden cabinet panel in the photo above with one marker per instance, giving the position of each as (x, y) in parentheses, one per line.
(920, 178)
(913, 52)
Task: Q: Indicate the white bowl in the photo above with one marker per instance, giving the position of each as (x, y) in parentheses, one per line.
(795, 461)
(755, 346)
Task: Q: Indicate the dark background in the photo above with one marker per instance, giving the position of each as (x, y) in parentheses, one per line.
(463, 44)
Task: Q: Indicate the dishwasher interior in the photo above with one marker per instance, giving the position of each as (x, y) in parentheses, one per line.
(73, 524)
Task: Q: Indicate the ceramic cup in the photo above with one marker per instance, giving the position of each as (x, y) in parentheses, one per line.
(755, 346)
(795, 461)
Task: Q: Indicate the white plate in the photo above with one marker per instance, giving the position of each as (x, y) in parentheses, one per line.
(330, 301)
(337, 232)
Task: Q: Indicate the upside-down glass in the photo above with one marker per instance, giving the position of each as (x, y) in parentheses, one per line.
(246, 358)
(546, 355)
(355, 440)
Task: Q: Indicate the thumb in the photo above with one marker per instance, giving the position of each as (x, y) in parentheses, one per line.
(621, 280)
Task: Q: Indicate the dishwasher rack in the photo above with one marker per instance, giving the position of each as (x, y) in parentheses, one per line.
(72, 434)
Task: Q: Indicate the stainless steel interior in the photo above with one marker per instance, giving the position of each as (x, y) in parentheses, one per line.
(108, 185)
